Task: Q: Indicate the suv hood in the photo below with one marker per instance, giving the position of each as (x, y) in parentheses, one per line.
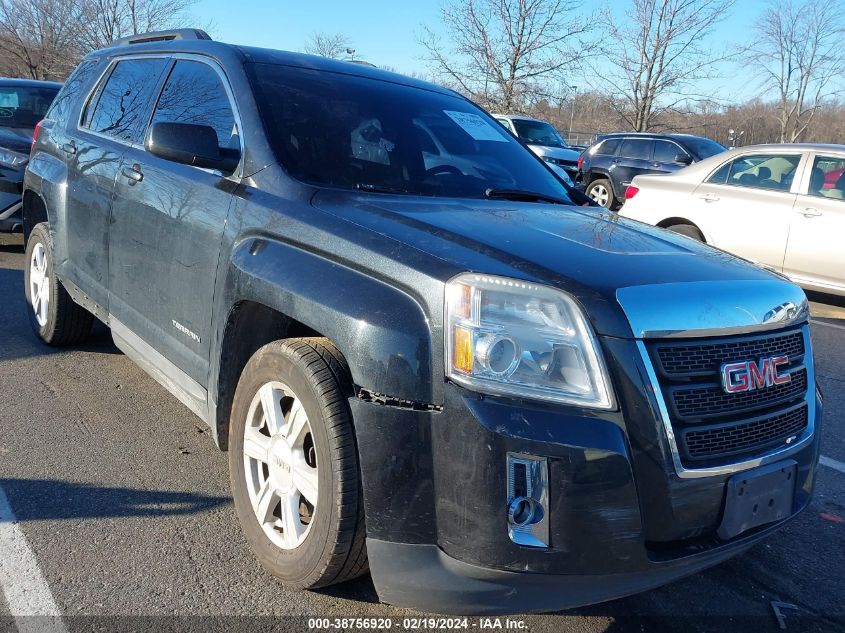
(589, 253)
(562, 153)
(16, 139)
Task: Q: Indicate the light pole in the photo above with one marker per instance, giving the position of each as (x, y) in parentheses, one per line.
(351, 53)
(574, 90)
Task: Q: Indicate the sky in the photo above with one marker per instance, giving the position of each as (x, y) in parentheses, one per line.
(384, 32)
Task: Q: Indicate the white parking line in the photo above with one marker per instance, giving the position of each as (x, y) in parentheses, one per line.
(832, 463)
(26, 591)
(833, 325)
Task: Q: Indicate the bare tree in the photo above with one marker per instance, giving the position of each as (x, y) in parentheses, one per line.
(656, 55)
(44, 39)
(799, 51)
(505, 54)
(333, 46)
(39, 38)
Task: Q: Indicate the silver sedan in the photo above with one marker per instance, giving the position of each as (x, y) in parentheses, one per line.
(781, 206)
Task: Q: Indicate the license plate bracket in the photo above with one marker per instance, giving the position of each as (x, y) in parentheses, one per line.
(757, 497)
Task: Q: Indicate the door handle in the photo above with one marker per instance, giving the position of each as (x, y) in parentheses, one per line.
(133, 174)
(810, 212)
(709, 197)
(69, 148)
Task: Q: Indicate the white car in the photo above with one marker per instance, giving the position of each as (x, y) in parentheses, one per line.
(781, 206)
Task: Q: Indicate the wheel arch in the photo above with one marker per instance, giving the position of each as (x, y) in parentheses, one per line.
(34, 211)
(666, 223)
(274, 290)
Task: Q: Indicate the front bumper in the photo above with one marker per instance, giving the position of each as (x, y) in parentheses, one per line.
(620, 518)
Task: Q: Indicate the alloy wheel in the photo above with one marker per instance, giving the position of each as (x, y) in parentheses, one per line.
(39, 284)
(600, 194)
(281, 465)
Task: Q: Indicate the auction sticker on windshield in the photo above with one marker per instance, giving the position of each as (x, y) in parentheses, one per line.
(475, 126)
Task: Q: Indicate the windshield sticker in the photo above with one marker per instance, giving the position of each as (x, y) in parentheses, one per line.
(8, 99)
(475, 126)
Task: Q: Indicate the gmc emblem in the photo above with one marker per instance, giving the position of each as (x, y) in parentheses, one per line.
(750, 375)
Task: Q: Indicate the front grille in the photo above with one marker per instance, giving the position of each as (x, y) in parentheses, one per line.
(729, 439)
(713, 427)
(710, 401)
(687, 359)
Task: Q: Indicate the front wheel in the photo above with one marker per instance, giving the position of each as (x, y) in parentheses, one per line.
(53, 315)
(601, 192)
(293, 464)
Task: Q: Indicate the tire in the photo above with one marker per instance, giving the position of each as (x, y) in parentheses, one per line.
(601, 191)
(689, 230)
(330, 547)
(59, 321)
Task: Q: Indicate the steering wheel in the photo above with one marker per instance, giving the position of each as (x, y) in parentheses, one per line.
(443, 169)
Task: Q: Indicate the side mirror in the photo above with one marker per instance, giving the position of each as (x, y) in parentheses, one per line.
(191, 144)
(683, 159)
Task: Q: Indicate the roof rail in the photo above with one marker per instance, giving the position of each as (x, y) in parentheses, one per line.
(162, 36)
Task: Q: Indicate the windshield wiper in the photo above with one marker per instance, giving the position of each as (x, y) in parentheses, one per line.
(521, 195)
(365, 186)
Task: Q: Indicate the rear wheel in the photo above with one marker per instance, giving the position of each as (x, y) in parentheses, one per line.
(689, 230)
(293, 464)
(53, 315)
(601, 191)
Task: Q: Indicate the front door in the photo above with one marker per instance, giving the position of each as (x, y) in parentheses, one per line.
(167, 226)
(745, 206)
(814, 254)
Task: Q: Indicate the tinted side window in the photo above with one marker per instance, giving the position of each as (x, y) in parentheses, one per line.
(720, 176)
(195, 94)
(70, 92)
(608, 147)
(666, 151)
(123, 105)
(637, 148)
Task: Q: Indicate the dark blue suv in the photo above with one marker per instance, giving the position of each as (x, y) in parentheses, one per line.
(609, 165)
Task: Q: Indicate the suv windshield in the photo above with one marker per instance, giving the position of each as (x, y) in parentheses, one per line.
(24, 106)
(703, 147)
(338, 130)
(538, 133)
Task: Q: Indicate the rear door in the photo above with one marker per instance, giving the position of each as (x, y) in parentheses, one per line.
(112, 121)
(745, 205)
(633, 158)
(167, 224)
(815, 255)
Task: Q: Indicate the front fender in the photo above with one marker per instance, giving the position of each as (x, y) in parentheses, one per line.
(382, 331)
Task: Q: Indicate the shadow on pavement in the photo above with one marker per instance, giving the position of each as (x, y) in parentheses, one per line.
(53, 499)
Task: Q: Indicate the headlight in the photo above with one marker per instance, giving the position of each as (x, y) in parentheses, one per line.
(8, 158)
(511, 337)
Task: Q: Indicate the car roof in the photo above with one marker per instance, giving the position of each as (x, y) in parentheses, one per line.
(29, 83)
(231, 54)
(788, 147)
(670, 135)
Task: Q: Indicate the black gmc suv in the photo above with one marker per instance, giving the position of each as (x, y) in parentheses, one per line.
(447, 374)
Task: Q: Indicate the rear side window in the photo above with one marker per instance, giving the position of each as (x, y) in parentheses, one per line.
(70, 92)
(194, 93)
(636, 148)
(123, 103)
(608, 147)
(666, 151)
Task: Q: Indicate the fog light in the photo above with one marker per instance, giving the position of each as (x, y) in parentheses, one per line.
(528, 498)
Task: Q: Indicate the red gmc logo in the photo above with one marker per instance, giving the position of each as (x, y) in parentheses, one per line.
(750, 375)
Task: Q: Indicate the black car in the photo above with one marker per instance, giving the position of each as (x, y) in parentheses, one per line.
(23, 104)
(443, 373)
(609, 165)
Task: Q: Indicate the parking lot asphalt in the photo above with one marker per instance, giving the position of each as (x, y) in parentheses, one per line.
(123, 501)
